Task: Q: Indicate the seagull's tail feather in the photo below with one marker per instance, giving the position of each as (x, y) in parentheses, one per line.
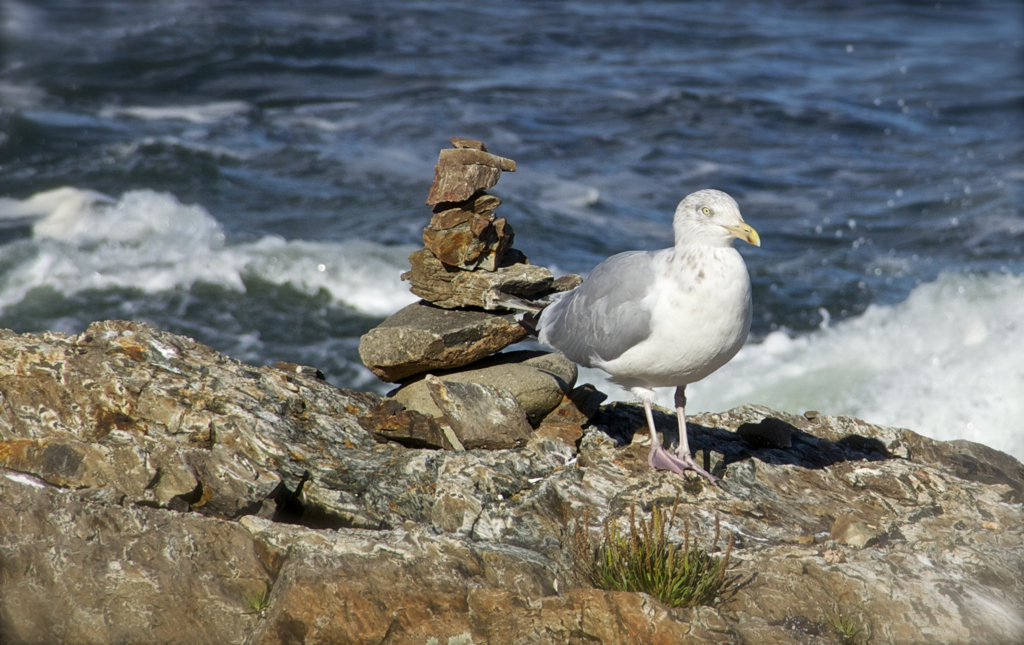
(529, 310)
(521, 304)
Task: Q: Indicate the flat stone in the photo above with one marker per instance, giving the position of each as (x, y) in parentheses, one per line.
(482, 417)
(390, 421)
(422, 337)
(565, 411)
(462, 142)
(461, 172)
(538, 380)
(451, 288)
(467, 239)
(480, 202)
(577, 407)
(567, 282)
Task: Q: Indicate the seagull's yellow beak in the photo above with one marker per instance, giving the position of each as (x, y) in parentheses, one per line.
(746, 233)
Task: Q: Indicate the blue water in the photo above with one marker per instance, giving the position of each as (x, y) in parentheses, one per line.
(262, 167)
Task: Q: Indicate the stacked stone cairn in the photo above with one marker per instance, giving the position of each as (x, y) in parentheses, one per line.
(455, 392)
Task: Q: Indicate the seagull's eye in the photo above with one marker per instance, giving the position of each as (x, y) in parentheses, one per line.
(706, 210)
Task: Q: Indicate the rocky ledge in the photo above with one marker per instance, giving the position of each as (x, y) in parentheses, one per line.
(156, 491)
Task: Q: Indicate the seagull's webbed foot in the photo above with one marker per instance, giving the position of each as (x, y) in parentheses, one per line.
(662, 459)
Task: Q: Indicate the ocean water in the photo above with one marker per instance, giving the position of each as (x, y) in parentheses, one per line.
(253, 175)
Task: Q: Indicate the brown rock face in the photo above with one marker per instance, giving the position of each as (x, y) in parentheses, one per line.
(91, 572)
(463, 142)
(420, 338)
(150, 485)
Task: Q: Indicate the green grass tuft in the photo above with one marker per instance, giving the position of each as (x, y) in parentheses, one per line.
(257, 604)
(847, 628)
(679, 575)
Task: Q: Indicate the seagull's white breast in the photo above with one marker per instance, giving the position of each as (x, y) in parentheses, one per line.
(700, 316)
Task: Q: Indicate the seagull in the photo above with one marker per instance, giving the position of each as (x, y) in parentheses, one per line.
(663, 318)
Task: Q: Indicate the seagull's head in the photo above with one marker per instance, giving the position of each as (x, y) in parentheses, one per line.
(713, 218)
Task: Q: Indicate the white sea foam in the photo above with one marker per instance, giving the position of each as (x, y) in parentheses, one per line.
(948, 363)
(150, 241)
(20, 96)
(203, 113)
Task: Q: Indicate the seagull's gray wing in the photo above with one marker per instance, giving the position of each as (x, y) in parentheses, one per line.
(604, 316)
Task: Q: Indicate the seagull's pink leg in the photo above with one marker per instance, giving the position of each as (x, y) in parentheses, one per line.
(662, 459)
(683, 450)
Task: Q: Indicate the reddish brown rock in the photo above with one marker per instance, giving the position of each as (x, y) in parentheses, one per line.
(577, 407)
(568, 432)
(468, 240)
(124, 406)
(481, 202)
(461, 172)
(403, 546)
(390, 421)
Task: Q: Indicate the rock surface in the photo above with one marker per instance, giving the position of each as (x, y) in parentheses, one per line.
(468, 240)
(431, 280)
(481, 416)
(538, 381)
(161, 420)
(461, 172)
(151, 485)
(390, 421)
(467, 265)
(422, 337)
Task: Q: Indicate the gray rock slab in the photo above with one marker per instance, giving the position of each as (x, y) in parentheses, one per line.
(449, 287)
(538, 380)
(421, 337)
(481, 416)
